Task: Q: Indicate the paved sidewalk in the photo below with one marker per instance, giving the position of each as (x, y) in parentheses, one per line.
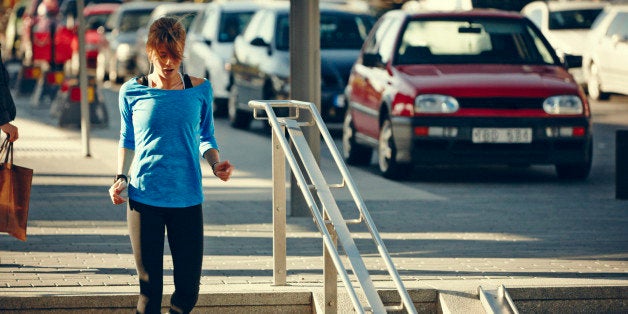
(78, 244)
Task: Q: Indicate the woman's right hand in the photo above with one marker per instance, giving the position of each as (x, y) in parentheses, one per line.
(115, 190)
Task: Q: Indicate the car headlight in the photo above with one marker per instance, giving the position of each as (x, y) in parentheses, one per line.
(563, 104)
(123, 52)
(434, 103)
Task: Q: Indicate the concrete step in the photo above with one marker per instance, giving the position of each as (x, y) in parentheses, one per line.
(605, 299)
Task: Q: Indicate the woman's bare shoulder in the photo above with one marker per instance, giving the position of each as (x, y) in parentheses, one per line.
(196, 80)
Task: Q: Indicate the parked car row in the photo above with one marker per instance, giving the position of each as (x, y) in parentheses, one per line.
(418, 88)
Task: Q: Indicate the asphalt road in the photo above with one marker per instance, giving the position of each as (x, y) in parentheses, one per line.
(557, 219)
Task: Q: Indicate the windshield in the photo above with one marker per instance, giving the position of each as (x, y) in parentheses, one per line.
(95, 21)
(232, 25)
(337, 31)
(480, 40)
(131, 21)
(573, 19)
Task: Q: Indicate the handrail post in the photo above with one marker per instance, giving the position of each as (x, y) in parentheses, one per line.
(330, 274)
(279, 212)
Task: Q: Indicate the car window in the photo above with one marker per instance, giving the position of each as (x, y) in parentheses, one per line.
(131, 21)
(619, 26)
(342, 31)
(95, 21)
(232, 24)
(283, 32)
(476, 41)
(573, 19)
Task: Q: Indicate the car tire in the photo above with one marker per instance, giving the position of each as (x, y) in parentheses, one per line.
(387, 155)
(353, 153)
(238, 119)
(576, 171)
(594, 86)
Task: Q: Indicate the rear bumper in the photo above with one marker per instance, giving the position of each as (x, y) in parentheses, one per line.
(460, 149)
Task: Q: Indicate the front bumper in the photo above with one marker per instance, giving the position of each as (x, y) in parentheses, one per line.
(460, 149)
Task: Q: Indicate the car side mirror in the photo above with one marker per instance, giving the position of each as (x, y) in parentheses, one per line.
(259, 42)
(208, 41)
(371, 59)
(571, 61)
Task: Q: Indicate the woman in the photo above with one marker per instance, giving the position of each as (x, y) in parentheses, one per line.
(166, 125)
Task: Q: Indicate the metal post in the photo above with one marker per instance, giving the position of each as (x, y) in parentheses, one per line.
(85, 119)
(279, 212)
(305, 80)
(330, 274)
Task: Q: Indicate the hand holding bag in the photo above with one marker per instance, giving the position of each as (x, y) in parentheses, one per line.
(15, 192)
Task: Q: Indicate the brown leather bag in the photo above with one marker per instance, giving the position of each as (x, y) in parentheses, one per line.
(15, 193)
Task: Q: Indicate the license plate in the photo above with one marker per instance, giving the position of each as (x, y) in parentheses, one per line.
(502, 135)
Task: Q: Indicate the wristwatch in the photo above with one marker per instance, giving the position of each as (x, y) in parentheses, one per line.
(121, 176)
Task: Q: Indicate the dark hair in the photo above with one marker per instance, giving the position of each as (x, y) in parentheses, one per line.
(166, 33)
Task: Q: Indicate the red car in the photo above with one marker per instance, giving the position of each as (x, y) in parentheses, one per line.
(95, 17)
(467, 87)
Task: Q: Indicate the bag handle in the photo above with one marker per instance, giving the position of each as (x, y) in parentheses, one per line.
(7, 150)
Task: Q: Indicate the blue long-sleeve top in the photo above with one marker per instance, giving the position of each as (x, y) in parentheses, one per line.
(169, 130)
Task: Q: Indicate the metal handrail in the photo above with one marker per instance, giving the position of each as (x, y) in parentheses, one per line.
(376, 305)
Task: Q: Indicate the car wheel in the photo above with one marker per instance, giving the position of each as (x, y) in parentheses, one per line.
(577, 171)
(387, 152)
(239, 119)
(353, 153)
(594, 86)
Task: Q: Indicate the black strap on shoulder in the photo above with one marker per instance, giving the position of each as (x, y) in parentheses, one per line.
(187, 81)
(143, 80)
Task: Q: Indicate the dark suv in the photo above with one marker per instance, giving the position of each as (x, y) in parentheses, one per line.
(466, 87)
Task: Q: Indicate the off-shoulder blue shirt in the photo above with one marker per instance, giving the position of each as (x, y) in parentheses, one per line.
(169, 130)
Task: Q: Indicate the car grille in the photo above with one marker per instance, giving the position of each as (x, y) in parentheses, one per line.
(501, 103)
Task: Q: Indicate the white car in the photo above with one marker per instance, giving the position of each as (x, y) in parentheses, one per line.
(566, 25)
(209, 45)
(605, 62)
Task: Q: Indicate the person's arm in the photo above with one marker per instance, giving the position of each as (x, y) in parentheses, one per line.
(125, 159)
(221, 169)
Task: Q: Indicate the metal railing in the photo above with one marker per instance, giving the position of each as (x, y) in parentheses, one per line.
(329, 220)
(497, 301)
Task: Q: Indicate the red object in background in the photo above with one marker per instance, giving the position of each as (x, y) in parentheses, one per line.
(42, 41)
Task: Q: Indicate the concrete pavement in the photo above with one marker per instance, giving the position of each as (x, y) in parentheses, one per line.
(78, 245)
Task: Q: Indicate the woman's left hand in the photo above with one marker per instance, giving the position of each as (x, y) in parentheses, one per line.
(223, 170)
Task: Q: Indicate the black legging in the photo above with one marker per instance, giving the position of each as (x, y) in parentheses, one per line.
(147, 225)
